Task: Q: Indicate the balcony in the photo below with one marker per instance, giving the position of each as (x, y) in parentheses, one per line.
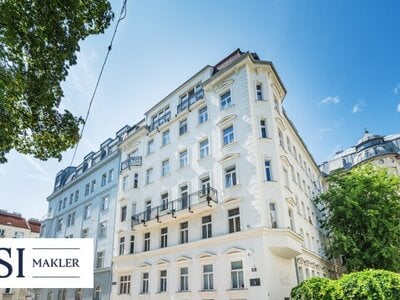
(202, 198)
(133, 161)
(189, 101)
(166, 117)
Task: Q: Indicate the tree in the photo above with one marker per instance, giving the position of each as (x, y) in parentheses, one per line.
(362, 218)
(39, 40)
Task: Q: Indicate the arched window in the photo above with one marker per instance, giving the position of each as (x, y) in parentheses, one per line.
(50, 295)
(78, 294)
(97, 293)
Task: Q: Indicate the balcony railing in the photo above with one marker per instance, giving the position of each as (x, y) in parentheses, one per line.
(161, 120)
(131, 162)
(188, 202)
(192, 99)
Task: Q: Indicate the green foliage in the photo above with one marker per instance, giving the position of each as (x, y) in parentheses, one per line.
(365, 285)
(38, 43)
(361, 216)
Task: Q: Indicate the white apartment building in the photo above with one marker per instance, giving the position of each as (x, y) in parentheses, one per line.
(215, 190)
(82, 205)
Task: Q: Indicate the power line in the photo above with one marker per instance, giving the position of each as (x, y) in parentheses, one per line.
(122, 16)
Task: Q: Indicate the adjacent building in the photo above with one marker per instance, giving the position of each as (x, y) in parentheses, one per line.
(215, 192)
(379, 150)
(13, 225)
(82, 205)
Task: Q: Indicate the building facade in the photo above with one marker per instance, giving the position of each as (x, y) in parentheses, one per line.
(383, 151)
(82, 205)
(13, 225)
(215, 189)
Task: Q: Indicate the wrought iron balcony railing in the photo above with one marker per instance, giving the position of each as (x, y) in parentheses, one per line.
(192, 99)
(131, 161)
(188, 202)
(161, 120)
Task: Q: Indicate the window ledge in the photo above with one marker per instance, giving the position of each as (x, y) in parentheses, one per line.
(183, 292)
(231, 106)
(183, 134)
(204, 158)
(201, 124)
(163, 146)
(229, 145)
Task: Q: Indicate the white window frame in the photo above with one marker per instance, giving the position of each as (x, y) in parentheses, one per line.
(204, 150)
(227, 101)
(238, 274)
(203, 114)
(234, 222)
(230, 137)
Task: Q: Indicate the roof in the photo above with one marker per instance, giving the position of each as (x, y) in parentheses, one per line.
(367, 137)
(35, 226)
(12, 219)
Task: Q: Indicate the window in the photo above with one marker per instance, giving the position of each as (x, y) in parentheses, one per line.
(71, 219)
(184, 279)
(123, 213)
(78, 294)
(60, 205)
(268, 170)
(276, 103)
(226, 100)
(87, 188)
(286, 177)
(2, 232)
(206, 227)
(148, 210)
(280, 134)
(122, 245)
(184, 196)
(50, 295)
(208, 277)
(184, 232)
(263, 128)
(237, 275)
(125, 284)
(292, 173)
(163, 281)
(289, 147)
(273, 216)
(230, 176)
(145, 283)
(150, 147)
(183, 127)
(234, 220)
(64, 202)
(93, 186)
(165, 168)
(183, 159)
(149, 176)
(228, 135)
(59, 224)
(135, 180)
(301, 275)
(303, 209)
(165, 138)
(132, 245)
(103, 229)
(104, 203)
(205, 185)
(103, 179)
(100, 259)
(164, 237)
(97, 293)
(204, 148)
(110, 175)
(76, 195)
(86, 212)
(85, 232)
(71, 198)
(291, 219)
(203, 115)
(298, 180)
(164, 201)
(259, 95)
(125, 183)
(146, 243)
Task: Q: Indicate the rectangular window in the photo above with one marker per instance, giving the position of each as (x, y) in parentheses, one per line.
(228, 135)
(87, 188)
(76, 195)
(163, 281)
(103, 229)
(184, 196)
(183, 159)
(230, 176)
(86, 213)
(164, 201)
(100, 259)
(148, 210)
(60, 205)
(65, 202)
(286, 177)
(263, 128)
(288, 146)
(150, 147)
(103, 179)
(164, 237)
(206, 227)
(292, 173)
(165, 138)
(203, 115)
(183, 127)
(93, 186)
(59, 224)
(184, 279)
(165, 168)
(71, 219)
(205, 185)
(291, 219)
(146, 242)
(125, 284)
(237, 275)
(105, 203)
(273, 216)
(149, 176)
(268, 170)
(135, 180)
(132, 245)
(85, 233)
(280, 134)
(110, 175)
(234, 220)
(204, 148)
(184, 232)
(125, 183)
(145, 283)
(259, 94)
(301, 275)
(208, 277)
(71, 198)
(226, 100)
(123, 213)
(122, 245)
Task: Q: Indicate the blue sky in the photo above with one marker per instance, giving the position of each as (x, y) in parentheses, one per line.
(339, 61)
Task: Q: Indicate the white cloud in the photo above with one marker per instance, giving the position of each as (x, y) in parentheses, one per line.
(359, 106)
(398, 107)
(396, 90)
(329, 100)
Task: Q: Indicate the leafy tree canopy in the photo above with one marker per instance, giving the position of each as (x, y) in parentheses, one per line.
(362, 218)
(39, 40)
